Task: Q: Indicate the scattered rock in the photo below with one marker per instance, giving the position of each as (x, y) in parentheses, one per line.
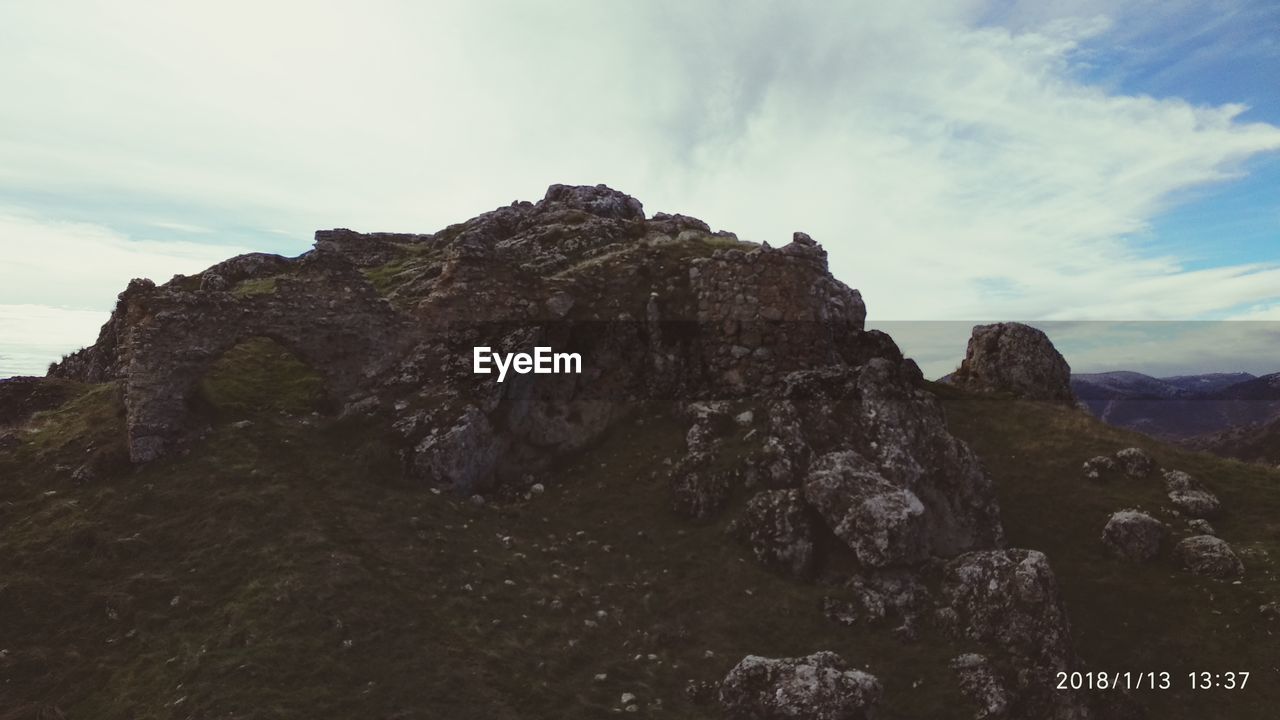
(1210, 556)
(1189, 496)
(1017, 359)
(1134, 535)
(1135, 462)
(821, 686)
(779, 528)
(700, 692)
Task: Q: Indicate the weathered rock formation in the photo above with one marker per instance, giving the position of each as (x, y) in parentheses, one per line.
(1016, 359)
(656, 306)
(821, 686)
(1009, 599)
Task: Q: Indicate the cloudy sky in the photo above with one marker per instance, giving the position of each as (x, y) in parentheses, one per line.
(961, 160)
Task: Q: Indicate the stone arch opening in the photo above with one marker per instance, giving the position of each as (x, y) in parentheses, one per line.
(259, 377)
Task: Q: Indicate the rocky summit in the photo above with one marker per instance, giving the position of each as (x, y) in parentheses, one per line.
(293, 487)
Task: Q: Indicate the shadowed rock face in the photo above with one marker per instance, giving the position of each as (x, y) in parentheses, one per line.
(1016, 359)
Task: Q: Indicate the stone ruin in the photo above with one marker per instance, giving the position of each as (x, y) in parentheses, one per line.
(839, 444)
(665, 304)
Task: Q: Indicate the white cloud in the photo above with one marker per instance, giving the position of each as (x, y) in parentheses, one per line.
(32, 336)
(82, 266)
(953, 166)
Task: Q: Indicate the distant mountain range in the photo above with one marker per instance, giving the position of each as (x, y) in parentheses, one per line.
(1182, 406)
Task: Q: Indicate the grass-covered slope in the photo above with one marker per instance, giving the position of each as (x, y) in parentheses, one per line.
(1127, 617)
(282, 569)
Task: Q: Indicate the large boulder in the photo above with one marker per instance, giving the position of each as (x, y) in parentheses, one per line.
(1134, 535)
(1017, 359)
(1189, 496)
(821, 686)
(1009, 600)
(778, 527)
(1211, 556)
(1135, 462)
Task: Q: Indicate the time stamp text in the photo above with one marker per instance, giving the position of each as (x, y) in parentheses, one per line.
(1152, 680)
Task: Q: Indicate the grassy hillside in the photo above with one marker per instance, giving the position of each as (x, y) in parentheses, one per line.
(282, 570)
(1127, 617)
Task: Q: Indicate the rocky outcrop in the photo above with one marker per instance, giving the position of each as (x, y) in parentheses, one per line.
(1188, 495)
(820, 686)
(1016, 359)
(1210, 556)
(881, 469)
(860, 449)
(658, 307)
(1134, 535)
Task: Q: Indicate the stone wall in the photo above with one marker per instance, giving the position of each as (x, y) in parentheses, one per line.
(162, 340)
(764, 310)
